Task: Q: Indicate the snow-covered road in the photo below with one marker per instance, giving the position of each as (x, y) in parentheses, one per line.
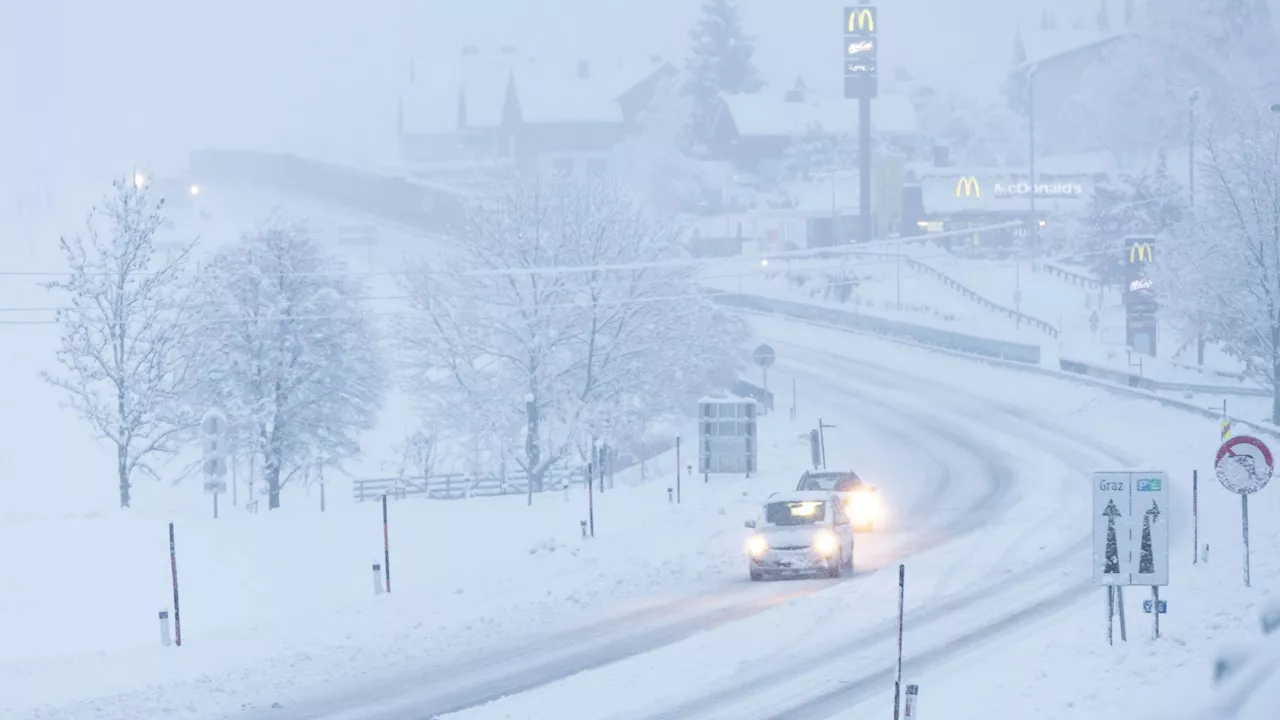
(951, 484)
(1017, 471)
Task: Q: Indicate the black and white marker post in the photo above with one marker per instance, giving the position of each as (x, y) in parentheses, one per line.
(591, 503)
(1244, 466)
(1195, 517)
(677, 469)
(173, 569)
(897, 684)
(386, 542)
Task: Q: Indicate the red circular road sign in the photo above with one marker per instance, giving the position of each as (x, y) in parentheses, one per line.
(1244, 464)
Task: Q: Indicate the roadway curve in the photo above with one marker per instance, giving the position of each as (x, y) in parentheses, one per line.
(799, 688)
(956, 505)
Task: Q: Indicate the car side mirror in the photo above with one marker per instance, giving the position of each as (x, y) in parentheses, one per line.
(750, 523)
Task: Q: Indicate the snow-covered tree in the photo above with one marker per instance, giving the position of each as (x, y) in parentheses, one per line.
(1103, 19)
(1149, 202)
(656, 158)
(1128, 12)
(559, 319)
(1134, 99)
(1016, 85)
(121, 368)
(1047, 20)
(1225, 270)
(817, 153)
(287, 351)
(720, 62)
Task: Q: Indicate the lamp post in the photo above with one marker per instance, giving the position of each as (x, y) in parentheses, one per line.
(1192, 99)
(1031, 151)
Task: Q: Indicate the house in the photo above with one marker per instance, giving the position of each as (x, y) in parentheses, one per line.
(1062, 60)
(506, 108)
(752, 130)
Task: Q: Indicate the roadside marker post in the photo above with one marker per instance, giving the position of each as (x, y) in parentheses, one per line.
(1244, 465)
(1195, 517)
(173, 569)
(901, 596)
(386, 542)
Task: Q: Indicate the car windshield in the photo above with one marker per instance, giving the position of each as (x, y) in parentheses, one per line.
(829, 482)
(806, 512)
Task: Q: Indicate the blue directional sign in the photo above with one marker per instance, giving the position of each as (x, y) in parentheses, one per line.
(1164, 607)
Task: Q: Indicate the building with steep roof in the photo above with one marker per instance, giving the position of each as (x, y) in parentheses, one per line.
(506, 108)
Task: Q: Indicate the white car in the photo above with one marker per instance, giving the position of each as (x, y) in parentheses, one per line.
(800, 533)
(862, 501)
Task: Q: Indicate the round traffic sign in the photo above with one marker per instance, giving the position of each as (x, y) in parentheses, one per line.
(763, 356)
(1244, 464)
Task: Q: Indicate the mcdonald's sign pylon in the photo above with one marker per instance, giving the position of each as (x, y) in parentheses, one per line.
(968, 187)
(861, 20)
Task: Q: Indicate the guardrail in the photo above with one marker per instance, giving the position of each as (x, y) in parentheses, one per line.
(1137, 381)
(969, 344)
(983, 350)
(982, 301)
(394, 198)
(1070, 276)
(456, 486)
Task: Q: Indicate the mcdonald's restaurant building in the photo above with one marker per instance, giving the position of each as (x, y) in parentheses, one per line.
(955, 198)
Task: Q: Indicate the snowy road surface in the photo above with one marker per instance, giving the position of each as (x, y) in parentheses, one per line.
(990, 582)
(967, 485)
(947, 502)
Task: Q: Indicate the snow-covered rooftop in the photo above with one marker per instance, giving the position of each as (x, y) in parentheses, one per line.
(549, 90)
(768, 113)
(1044, 46)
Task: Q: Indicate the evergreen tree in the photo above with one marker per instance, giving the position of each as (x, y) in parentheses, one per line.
(1104, 18)
(1015, 85)
(1128, 12)
(1047, 20)
(1158, 198)
(720, 63)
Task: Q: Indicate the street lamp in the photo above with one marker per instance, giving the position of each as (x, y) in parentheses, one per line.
(139, 180)
(1192, 98)
(1031, 148)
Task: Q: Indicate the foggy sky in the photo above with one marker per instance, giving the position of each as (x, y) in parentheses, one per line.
(92, 87)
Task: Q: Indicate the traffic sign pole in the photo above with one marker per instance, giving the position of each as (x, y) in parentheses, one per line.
(1195, 517)
(1244, 465)
(1244, 524)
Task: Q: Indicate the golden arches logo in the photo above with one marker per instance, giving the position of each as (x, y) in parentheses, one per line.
(1140, 252)
(862, 20)
(969, 187)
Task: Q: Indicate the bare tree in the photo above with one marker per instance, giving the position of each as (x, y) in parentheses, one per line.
(120, 367)
(565, 307)
(288, 352)
(1225, 270)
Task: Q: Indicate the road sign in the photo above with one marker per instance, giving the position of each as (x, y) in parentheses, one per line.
(727, 435)
(763, 356)
(1164, 606)
(215, 486)
(213, 426)
(1130, 528)
(1244, 464)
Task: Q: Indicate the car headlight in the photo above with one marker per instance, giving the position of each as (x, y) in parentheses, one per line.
(864, 506)
(756, 545)
(826, 543)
